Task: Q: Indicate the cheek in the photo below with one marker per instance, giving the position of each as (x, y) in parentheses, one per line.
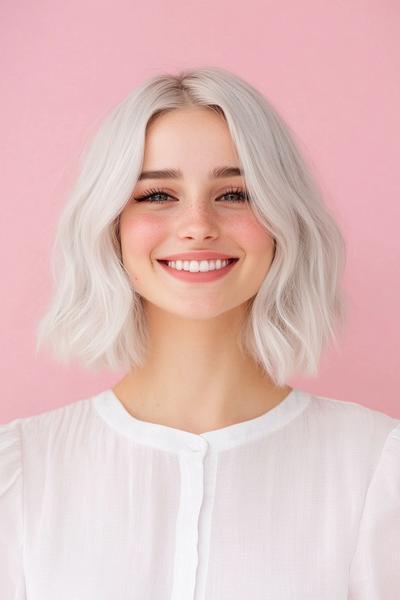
(252, 236)
(140, 233)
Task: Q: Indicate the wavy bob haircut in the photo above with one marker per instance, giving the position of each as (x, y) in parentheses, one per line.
(95, 314)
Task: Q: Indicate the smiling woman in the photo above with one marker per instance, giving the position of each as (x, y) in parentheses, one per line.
(200, 161)
(196, 251)
(194, 210)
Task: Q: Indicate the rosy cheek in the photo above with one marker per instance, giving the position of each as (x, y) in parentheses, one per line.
(142, 232)
(251, 234)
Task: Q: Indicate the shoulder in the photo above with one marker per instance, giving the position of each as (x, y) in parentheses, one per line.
(47, 428)
(352, 425)
(10, 454)
(351, 414)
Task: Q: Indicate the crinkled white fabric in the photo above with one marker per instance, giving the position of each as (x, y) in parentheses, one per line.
(301, 503)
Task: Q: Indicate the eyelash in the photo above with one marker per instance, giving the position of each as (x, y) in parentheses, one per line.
(154, 192)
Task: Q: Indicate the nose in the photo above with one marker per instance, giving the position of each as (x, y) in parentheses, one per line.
(198, 221)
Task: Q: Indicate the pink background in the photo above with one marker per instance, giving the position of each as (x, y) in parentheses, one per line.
(332, 70)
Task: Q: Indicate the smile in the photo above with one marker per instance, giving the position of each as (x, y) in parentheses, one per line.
(199, 271)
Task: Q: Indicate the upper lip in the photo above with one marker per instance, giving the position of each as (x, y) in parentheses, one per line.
(197, 256)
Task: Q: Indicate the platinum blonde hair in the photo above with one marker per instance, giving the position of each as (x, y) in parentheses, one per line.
(96, 316)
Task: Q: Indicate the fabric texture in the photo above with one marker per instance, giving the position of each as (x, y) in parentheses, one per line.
(300, 503)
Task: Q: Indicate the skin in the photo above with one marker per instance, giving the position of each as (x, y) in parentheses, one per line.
(196, 378)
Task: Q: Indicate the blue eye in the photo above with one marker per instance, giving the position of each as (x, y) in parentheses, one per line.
(241, 195)
(149, 196)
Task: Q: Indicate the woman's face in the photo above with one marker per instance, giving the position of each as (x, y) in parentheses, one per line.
(191, 214)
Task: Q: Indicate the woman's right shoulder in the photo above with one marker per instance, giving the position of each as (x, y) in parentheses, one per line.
(45, 417)
(39, 431)
(10, 454)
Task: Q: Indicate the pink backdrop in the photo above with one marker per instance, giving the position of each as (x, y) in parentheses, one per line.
(332, 70)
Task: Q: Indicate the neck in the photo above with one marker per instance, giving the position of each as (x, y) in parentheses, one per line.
(196, 378)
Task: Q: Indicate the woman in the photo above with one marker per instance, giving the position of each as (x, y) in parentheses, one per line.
(196, 252)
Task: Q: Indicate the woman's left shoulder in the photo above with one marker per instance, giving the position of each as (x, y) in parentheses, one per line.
(346, 417)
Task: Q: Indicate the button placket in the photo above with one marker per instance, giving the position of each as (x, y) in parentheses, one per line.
(187, 529)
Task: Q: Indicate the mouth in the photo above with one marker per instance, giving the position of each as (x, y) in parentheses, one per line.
(165, 262)
(199, 276)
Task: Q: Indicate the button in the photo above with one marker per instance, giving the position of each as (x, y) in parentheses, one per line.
(198, 446)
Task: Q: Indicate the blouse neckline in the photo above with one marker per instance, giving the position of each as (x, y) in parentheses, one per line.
(163, 437)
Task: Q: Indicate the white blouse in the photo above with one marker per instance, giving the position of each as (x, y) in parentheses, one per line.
(300, 503)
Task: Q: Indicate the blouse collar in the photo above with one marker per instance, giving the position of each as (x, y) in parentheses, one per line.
(163, 437)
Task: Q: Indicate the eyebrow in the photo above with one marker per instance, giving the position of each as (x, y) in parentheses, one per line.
(176, 174)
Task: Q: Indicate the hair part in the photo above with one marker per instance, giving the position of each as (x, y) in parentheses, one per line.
(95, 314)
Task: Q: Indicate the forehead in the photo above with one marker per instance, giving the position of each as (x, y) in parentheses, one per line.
(188, 136)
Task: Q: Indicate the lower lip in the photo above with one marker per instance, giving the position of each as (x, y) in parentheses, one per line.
(199, 276)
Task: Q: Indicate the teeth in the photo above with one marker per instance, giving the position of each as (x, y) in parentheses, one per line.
(195, 266)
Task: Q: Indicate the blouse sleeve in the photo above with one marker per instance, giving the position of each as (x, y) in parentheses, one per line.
(12, 585)
(375, 569)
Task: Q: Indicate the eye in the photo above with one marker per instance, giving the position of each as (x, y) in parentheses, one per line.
(238, 194)
(241, 195)
(150, 194)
